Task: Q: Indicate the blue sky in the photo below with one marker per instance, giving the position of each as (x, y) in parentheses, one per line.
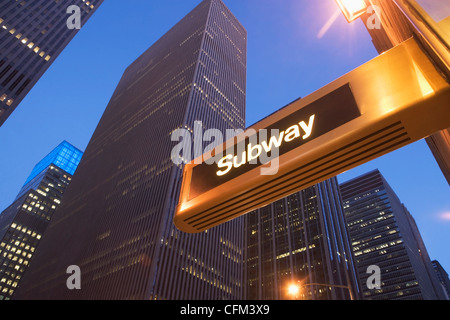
(288, 57)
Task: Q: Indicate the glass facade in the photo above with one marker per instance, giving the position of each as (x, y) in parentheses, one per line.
(23, 224)
(32, 35)
(300, 240)
(65, 156)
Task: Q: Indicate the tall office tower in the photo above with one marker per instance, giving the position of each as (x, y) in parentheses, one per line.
(394, 28)
(116, 219)
(383, 234)
(300, 238)
(423, 255)
(442, 276)
(23, 224)
(32, 35)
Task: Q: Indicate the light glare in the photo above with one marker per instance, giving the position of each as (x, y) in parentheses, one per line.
(352, 9)
(445, 216)
(293, 289)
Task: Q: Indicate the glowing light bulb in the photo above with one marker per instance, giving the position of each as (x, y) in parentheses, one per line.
(352, 9)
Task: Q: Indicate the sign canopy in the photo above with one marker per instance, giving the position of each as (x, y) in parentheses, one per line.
(387, 103)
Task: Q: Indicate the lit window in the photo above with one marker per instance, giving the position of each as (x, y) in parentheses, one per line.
(47, 58)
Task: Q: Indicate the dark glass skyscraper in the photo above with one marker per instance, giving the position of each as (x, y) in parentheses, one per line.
(384, 234)
(116, 219)
(443, 277)
(32, 35)
(300, 238)
(23, 224)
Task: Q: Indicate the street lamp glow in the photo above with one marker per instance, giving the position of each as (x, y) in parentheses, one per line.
(352, 9)
(293, 289)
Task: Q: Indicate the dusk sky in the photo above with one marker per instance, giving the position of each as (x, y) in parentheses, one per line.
(294, 48)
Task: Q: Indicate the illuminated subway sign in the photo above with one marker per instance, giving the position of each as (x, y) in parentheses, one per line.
(389, 102)
(267, 145)
(319, 117)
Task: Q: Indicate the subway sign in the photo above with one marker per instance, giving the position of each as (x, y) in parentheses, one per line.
(279, 138)
(387, 103)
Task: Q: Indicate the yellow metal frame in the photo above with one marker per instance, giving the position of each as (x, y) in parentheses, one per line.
(402, 98)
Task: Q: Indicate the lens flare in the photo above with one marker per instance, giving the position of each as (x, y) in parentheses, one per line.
(445, 216)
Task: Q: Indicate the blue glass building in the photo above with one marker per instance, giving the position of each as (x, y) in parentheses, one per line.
(24, 222)
(64, 156)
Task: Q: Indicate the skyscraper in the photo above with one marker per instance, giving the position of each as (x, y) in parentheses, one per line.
(65, 156)
(23, 224)
(443, 277)
(383, 234)
(116, 219)
(32, 35)
(300, 240)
